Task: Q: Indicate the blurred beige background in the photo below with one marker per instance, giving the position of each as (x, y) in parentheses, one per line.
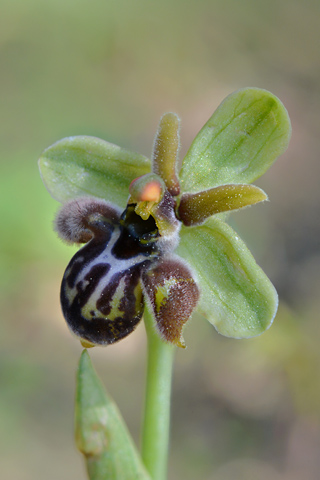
(241, 409)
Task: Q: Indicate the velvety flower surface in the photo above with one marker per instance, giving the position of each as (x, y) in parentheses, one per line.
(157, 238)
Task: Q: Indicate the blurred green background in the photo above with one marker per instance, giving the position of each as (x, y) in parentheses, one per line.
(245, 409)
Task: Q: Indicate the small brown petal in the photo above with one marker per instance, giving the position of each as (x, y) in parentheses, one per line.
(165, 152)
(195, 208)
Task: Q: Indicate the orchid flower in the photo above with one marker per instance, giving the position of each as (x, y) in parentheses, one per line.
(157, 238)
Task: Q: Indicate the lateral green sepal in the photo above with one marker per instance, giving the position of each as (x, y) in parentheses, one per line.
(101, 434)
(82, 165)
(235, 294)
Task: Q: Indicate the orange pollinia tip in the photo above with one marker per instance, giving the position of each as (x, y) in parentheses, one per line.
(148, 188)
(151, 192)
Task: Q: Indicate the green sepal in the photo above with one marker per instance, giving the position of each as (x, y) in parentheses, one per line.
(82, 165)
(244, 136)
(235, 294)
(101, 434)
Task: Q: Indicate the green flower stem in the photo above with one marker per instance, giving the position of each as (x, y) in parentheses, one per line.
(156, 424)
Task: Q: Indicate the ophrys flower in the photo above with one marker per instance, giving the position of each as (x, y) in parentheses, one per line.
(159, 238)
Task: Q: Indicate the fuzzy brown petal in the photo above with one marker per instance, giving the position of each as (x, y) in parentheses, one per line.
(195, 208)
(165, 152)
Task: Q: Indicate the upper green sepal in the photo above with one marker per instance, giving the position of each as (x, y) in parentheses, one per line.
(82, 165)
(244, 136)
(101, 434)
(235, 294)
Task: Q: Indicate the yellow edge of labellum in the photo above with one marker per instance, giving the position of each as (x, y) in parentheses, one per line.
(165, 152)
(195, 208)
(86, 344)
